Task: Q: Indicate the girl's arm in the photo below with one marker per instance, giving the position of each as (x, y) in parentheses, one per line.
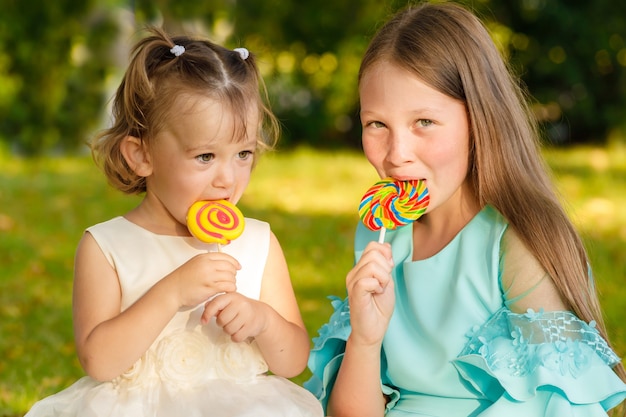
(274, 320)
(357, 390)
(109, 341)
(285, 342)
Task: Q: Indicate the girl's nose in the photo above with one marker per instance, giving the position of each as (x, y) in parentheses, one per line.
(224, 176)
(400, 150)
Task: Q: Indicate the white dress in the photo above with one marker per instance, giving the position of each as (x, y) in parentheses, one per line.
(191, 369)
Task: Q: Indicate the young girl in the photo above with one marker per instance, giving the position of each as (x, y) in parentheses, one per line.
(485, 306)
(166, 325)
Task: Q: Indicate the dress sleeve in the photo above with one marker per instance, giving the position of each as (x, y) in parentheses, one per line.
(541, 364)
(525, 283)
(327, 355)
(328, 350)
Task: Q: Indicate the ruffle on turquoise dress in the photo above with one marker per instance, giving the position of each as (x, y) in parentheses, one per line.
(541, 364)
(328, 350)
(535, 364)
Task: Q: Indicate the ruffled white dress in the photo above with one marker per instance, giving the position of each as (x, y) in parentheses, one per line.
(191, 370)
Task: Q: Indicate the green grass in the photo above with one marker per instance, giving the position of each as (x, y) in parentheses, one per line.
(310, 199)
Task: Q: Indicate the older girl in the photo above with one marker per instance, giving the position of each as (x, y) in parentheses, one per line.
(485, 306)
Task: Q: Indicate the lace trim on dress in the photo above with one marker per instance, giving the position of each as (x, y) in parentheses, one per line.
(541, 363)
(551, 339)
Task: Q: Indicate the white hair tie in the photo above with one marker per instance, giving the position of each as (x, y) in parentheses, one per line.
(243, 53)
(178, 50)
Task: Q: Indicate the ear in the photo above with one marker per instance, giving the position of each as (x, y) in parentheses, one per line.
(135, 152)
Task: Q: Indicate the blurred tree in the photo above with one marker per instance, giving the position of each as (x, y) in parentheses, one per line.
(51, 72)
(56, 61)
(309, 54)
(570, 53)
(572, 56)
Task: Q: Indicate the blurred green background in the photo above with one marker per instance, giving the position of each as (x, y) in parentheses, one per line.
(61, 61)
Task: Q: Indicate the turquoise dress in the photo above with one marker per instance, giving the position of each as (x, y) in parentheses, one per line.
(454, 349)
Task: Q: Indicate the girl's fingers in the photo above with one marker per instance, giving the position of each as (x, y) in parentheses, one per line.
(373, 264)
(216, 304)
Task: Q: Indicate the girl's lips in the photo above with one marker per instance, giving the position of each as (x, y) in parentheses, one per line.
(216, 199)
(399, 178)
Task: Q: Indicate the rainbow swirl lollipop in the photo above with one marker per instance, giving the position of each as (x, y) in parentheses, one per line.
(215, 221)
(391, 203)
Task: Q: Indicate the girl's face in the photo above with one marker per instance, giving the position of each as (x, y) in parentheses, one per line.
(197, 156)
(412, 131)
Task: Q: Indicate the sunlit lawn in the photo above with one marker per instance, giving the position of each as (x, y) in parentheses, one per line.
(310, 199)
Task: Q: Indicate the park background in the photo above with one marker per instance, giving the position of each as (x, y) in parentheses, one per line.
(60, 62)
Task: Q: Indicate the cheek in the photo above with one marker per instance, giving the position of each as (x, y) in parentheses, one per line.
(243, 178)
(453, 155)
(456, 159)
(244, 172)
(374, 152)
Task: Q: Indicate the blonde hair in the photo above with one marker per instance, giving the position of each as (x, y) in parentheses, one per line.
(156, 78)
(448, 47)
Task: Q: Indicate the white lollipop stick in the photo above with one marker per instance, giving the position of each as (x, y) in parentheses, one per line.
(381, 236)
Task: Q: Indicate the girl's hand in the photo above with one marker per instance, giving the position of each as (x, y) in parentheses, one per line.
(239, 316)
(203, 276)
(371, 294)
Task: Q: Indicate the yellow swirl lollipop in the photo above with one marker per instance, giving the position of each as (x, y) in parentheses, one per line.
(215, 221)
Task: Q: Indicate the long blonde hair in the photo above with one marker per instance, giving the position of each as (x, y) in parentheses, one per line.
(449, 48)
(156, 77)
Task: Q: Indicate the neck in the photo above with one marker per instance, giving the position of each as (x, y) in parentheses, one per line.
(152, 215)
(435, 230)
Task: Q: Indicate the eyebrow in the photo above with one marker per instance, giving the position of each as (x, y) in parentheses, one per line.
(420, 110)
(213, 144)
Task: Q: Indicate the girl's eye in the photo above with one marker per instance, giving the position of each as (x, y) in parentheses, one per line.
(376, 124)
(424, 122)
(205, 157)
(245, 154)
